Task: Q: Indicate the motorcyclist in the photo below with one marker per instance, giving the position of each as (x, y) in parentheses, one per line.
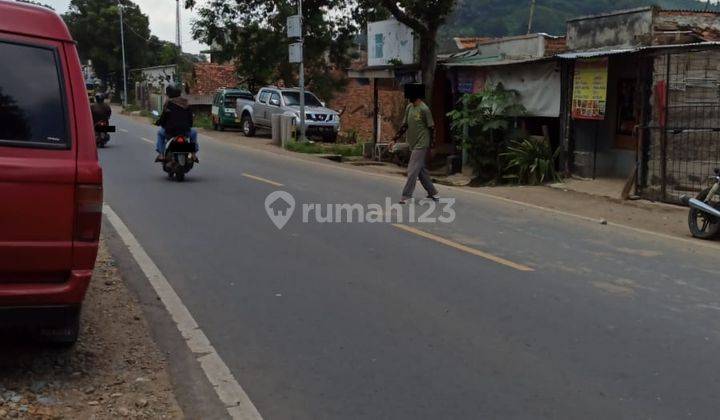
(99, 109)
(176, 120)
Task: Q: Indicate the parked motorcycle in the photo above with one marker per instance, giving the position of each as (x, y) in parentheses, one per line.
(102, 133)
(178, 158)
(704, 217)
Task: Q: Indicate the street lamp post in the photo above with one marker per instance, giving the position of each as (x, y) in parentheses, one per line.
(122, 43)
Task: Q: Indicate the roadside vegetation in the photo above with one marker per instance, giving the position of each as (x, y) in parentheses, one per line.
(203, 120)
(498, 151)
(345, 150)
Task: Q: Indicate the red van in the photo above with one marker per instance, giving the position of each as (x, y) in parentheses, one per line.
(50, 178)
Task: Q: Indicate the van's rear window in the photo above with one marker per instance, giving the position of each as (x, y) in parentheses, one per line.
(32, 104)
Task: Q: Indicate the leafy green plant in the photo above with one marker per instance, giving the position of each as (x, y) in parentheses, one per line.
(203, 120)
(483, 123)
(322, 148)
(304, 147)
(531, 161)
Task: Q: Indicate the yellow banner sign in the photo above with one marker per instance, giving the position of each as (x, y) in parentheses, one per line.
(590, 90)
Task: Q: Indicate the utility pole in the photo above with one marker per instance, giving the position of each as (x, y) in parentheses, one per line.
(178, 38)
(302, 73)
(122, 43)
(297, 56)
(532, 15)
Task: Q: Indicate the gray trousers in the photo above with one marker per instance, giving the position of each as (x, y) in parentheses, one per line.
(416, 170)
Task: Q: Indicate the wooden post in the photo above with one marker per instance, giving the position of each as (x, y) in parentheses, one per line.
(663, 133)
(376, 111)
(566, 93)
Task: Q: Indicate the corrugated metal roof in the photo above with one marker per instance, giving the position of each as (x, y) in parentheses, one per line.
(479, 61)
(593, 54)
(613, 13)
(474, 59)
(713, 11)
(607, 53)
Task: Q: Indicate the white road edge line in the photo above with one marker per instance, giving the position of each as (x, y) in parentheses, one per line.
(229, 391)
(123, 130)
(146, 140)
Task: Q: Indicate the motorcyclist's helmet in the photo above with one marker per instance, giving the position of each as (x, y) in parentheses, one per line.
(173, 91)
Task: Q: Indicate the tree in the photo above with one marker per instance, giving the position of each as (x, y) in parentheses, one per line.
(95, 25)
(425, 18)
(252, 32)
(164, 53)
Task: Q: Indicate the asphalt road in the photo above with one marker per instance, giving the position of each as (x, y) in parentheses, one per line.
(508, 312)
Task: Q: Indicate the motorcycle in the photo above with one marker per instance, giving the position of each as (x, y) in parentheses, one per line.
(178, 157)
(704, 216)
(102, 133)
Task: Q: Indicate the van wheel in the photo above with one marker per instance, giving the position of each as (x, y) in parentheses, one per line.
(64, 332)
(248, 128)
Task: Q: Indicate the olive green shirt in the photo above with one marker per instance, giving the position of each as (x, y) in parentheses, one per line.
(419, 121)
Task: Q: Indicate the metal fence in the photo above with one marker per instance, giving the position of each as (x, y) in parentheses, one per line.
(682, 144)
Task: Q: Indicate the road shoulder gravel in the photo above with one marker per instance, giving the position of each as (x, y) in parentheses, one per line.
(115, 370)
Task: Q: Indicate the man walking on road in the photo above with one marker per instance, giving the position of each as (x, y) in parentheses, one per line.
(420, 128)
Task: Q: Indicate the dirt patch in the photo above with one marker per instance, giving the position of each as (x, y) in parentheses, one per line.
(114, 371)
(656, 217)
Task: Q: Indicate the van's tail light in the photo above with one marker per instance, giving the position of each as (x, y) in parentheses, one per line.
(88, 212)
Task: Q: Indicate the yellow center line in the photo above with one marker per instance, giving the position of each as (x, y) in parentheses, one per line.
(464, 248)
(267, 181)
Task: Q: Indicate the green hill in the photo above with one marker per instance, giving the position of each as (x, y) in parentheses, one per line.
(510, 17)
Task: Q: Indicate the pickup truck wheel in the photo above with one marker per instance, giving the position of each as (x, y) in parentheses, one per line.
(248, 128)
(221, 127)
(215, 126)
(331, 138)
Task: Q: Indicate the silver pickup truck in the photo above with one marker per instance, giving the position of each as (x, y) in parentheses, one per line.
(319, 120)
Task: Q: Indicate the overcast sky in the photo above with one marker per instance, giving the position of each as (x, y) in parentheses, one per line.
(162, 20)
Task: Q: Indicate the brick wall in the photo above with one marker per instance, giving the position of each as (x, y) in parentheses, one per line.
(209, 77)
(555, 46)
(356, 106)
